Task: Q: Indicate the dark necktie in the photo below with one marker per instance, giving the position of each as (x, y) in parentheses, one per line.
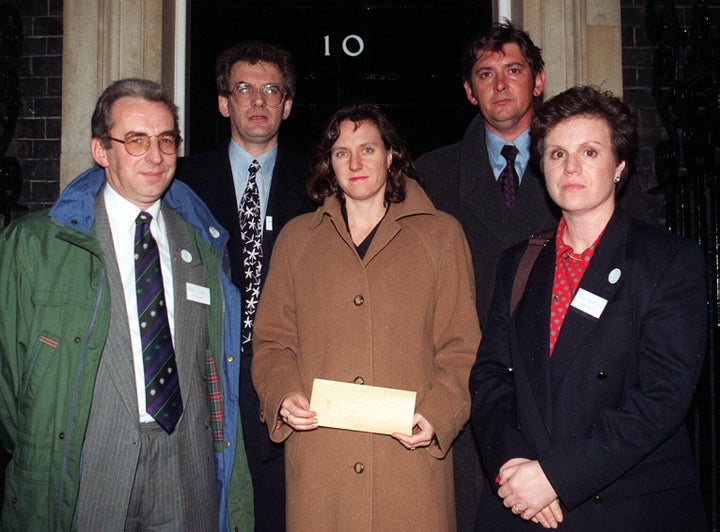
(509, 181)
(162, 385)
(251, 235)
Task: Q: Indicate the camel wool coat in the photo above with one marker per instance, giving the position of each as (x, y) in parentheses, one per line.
(402, 317)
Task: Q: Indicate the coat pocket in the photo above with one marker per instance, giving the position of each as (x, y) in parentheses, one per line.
(25, 505)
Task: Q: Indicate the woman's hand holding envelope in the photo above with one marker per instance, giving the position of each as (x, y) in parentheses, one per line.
(295, 412)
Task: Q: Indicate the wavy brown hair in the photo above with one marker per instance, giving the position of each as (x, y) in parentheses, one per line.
(322, 182)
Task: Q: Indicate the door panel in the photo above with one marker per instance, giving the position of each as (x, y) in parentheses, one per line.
(404, 56)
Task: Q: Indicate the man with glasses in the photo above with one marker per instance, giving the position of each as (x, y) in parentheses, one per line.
(119, 350)
(253, 186)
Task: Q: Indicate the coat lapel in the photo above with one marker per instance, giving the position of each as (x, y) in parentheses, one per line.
(416, 202)
(478, 187)
(600, 279)
(221, 196)
(532, 320)
(281, 192)
(286, 199)
(189, 278)
(483, 198)
(117, 356)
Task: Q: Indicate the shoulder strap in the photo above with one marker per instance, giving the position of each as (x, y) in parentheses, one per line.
(536, 243)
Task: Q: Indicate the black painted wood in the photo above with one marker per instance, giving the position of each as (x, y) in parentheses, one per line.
(409, 64)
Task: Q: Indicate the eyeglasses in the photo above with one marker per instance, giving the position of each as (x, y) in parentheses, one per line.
(137, 144)
(244, 93)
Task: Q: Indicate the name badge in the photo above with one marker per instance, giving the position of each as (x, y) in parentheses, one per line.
(197, 293)
(268, 223)
(589, 303)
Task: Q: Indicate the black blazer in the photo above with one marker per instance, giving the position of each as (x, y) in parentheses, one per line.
(210, 176)
(605, 415)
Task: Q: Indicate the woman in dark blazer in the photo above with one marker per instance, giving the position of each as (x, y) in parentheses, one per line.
(579, 395)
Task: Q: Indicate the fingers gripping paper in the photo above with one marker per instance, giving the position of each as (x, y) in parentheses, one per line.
(343, 405)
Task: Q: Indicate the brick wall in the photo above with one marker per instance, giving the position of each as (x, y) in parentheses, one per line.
(637, 59)
(36, 141)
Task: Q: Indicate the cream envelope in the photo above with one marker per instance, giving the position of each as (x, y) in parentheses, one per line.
(343, 405)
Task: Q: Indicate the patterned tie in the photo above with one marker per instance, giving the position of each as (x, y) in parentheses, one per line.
(509, 181)
(251, 235)
(162, 385)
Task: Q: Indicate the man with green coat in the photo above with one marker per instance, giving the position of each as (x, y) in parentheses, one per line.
(118, 399)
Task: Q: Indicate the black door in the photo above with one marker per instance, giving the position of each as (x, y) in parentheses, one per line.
(404, 56)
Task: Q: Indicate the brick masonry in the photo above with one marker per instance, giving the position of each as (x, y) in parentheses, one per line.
(36, 141)
(637, 60)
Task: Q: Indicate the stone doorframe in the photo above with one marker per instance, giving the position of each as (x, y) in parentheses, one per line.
(104, 40)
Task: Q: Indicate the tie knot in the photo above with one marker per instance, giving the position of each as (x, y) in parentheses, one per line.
(509, 152)
(143, 218)
(254, 167)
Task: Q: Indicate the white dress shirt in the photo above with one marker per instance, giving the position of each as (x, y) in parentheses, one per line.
(121, 215)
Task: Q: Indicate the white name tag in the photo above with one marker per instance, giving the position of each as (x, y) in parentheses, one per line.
(589, 303)
(197, 293)
(268, 223)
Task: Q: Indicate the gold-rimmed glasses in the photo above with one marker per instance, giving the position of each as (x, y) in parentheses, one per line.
(138, 144)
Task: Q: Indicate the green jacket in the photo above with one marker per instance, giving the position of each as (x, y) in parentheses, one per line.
(54, 320)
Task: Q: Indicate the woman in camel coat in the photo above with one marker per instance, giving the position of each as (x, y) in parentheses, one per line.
(373, 288)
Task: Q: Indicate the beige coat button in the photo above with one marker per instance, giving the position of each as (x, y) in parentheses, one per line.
(359, 467)
(359, 300)
(359, 380)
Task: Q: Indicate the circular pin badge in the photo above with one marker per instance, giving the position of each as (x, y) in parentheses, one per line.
(614, 275)
(186, 255)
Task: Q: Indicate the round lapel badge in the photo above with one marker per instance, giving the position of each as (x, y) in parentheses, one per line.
(614, 275)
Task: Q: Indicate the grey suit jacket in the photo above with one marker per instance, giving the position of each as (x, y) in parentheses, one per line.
(459, 180)
(112, 443)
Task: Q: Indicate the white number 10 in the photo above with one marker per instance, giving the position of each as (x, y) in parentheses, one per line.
(359, 45)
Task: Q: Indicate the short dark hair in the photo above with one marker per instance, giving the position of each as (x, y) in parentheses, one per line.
(254, 52)
(322, 182)
(499, 35)
(101, 122)
(591, 102)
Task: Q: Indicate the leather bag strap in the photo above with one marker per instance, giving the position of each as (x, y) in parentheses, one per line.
(536, 243)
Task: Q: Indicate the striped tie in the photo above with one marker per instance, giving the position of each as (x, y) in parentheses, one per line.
(162, 385)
